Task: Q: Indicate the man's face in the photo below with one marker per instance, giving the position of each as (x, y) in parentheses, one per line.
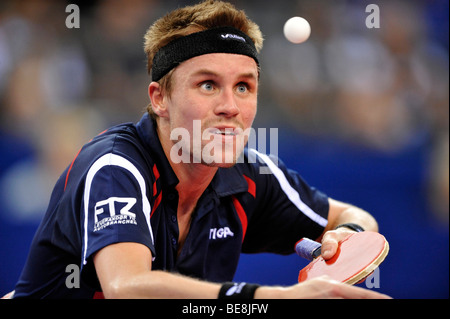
(214, 98)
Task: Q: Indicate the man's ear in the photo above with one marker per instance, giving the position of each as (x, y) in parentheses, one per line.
(157, 98)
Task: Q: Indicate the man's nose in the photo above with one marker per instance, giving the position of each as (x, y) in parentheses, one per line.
(227, 105)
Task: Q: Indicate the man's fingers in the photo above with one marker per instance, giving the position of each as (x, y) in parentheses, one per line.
(329, 248)
(331, 240)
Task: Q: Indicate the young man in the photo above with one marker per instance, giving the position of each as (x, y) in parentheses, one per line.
(163, 208)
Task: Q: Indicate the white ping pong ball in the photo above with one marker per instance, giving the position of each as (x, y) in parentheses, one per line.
(297, 30)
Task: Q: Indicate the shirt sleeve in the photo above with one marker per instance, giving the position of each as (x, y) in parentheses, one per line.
(116, 206)
(287, 209)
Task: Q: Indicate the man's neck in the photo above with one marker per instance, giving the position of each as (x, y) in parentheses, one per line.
(193, 178)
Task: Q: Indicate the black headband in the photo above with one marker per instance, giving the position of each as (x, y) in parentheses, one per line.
(216, 40)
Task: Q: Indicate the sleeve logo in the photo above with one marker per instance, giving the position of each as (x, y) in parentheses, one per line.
(106, 210)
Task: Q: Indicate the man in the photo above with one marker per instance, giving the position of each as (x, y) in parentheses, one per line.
(163, 208)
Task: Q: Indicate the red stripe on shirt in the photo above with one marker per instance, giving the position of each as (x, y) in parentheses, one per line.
(251, 186)
(157, 202)
(98, 295)
(70, 168)
(242, 216)
(156, 174)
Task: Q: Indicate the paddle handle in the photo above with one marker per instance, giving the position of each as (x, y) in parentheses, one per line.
(308, 249)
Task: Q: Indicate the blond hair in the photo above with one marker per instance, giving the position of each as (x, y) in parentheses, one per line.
(190, 19)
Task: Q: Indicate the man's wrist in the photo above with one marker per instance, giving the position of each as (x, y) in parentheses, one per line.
(242, 290)
(270, 292)
(355, 227)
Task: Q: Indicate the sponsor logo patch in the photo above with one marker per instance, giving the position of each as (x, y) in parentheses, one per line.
(106, 210)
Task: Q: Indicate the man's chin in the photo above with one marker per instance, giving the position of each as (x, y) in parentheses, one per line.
(219, 163)
(223, 160)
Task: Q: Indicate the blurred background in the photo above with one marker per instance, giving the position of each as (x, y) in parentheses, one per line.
(361, 113)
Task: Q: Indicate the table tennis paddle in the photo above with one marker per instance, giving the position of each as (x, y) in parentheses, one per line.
(357, 256)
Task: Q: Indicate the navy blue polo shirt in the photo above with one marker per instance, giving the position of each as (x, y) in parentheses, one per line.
(121, 188)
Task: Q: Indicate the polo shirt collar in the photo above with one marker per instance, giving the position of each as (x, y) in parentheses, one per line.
(227, 181)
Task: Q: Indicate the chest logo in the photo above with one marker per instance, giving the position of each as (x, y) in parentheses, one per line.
(218, 233)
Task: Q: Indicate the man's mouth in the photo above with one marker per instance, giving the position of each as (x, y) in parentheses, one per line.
(224, 131)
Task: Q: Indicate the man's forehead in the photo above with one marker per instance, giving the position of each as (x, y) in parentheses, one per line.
(221, 64)
(227, 40)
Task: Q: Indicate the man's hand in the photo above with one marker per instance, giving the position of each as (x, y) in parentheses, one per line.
(318, 288)
(342, 213)
(331, 240)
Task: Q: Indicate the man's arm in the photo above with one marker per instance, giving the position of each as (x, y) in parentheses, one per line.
(124, 271)
(342, 213)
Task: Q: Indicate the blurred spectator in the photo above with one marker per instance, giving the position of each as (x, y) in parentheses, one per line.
(372, 87)
(47, 69)
(26, 186)
(113, 37)
(439, 179)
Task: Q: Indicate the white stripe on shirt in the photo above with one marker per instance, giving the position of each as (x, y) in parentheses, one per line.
(290, 192)
(115, 160)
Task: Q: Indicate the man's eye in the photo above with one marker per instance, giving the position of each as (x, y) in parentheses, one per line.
(208, 86)
(242, 88)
